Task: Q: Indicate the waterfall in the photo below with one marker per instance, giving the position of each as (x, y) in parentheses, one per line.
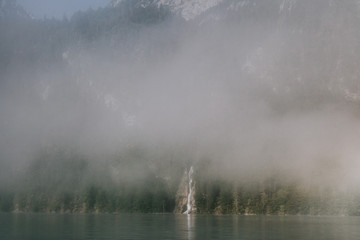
(190, 179)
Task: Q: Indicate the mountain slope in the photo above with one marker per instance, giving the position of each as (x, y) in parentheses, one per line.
(12, 9)
(188, 9)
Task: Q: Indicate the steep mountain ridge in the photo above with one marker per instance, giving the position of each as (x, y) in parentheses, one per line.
(248, 84)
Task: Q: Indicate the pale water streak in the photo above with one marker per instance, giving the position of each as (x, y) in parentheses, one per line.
(190, 182)
(170, 226)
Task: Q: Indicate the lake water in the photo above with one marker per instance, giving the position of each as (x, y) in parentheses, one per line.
(169, 226)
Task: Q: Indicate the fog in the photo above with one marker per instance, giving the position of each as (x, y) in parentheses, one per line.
(59, 9)
(259, 90)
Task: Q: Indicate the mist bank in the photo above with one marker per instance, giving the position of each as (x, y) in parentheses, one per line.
(60, 180)
(252, 87)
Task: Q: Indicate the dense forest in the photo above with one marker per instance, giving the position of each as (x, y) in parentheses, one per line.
(105, 111)
(61, 181)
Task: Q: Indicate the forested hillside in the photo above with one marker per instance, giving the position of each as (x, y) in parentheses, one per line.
(109, 109)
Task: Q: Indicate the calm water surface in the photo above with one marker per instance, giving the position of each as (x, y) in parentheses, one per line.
(168, 226)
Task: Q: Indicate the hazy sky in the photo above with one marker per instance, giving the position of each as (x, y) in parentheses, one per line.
(57, 8)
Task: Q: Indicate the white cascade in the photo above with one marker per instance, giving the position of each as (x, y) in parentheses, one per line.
(190, 179)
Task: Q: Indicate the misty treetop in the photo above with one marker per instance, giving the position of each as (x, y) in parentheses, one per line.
(104, 111)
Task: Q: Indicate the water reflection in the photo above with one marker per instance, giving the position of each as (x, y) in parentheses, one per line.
(190, 227)
(171, 226)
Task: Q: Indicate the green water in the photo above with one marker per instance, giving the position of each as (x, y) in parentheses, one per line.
(169, 226)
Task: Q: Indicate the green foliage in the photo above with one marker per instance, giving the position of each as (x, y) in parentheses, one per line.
(265, 197)
(6, 201)
(60, 180)
(140, 180)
